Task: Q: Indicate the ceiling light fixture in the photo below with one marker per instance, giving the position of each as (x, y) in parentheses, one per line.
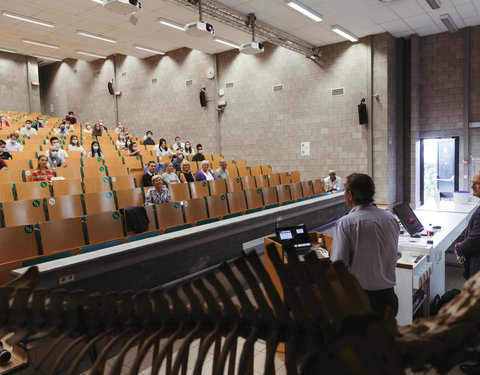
(165, 22)
(27, 19)
(98, 1)
(47, 58)
(434, 4)
(7, 50)
(226, 42)
(448, 22)
(147, 49)
(299, 7)
(91, 54)
(41, 44)
(96, 36)
(345, 33)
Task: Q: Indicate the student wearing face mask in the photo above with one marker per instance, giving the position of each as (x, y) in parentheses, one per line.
(71, 117)
(3, 121)
(199, 155)
(54, 158)
(95, 151)
(178, 143)
(40, 123)
(188, 148)
(69, 126)
(120, 140)
(88, 128)
(119, 128)
(28, 130)
(97, 130)
(133, 150)
(4, 154)
(75, 145)
(128, 142)
(177, 162)
(148, 139)
(55, 142)
(13, 144)
(62, 130)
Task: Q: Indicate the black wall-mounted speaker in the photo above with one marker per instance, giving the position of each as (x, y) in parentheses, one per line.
(110, 87)
(203, 99)
(362, 114)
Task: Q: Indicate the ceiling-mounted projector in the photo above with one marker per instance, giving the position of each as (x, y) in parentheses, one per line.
(251, 48)
(199, 29)
(122, 6)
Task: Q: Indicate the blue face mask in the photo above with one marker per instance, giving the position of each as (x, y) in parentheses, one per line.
(95, 148)
(129, 143)
(134, 148)
(62, 128)
(200, 151)
(178, 142)
(149, 136)
(122, 137)
(180, 157)
(54, 154)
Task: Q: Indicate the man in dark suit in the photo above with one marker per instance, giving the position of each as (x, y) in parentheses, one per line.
(468, 253)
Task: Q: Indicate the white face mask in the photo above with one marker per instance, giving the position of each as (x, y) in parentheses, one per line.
(3, 118)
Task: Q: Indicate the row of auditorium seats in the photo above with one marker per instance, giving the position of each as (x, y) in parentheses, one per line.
(28, 244)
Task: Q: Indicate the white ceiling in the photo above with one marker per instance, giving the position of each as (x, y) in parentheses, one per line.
(400, 18)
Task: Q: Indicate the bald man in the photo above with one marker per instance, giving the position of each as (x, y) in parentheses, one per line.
(332, 182)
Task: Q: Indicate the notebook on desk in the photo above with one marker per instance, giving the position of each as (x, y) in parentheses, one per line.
(408, 219)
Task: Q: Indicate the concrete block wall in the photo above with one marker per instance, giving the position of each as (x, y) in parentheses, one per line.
(16, 90)
(264, 126)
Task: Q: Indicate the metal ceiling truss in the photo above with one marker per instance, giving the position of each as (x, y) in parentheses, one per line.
(239, 21)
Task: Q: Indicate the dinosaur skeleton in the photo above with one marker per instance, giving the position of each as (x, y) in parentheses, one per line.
(326, 324)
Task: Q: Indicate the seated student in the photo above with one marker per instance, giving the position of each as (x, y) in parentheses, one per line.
(74, 145)
(186, 175)
(205, 174)
(40, 123)
(4, 154)
(170, 177)
(102, 125)
(148, 138)
(119, 128)
(71, 117)
(55, 142)
(128, 142)
(147, 176)
(3, 165)
(28, 130)
(222, 171)
(120, 140)
(188, 148)
(95, 151)
(69, 126)
(199, 155)
(159, 168)
(97, 130)
(158, 194)
(332, 182)
(42, 173)
(55, 159)
(133, 150)
(177, 161)
(62, 130)
(13, 144)
(88, 128)
(3, 121)
(163, 148)
(178, 143)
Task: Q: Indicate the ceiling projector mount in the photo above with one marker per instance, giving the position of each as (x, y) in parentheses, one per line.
(124, 7)
(200, 28)
(253, 47)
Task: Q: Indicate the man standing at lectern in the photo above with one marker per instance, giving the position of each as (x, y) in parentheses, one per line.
(366, 240)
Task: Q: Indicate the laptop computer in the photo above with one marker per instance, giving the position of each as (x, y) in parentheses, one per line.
(296, 237)
(408, 219)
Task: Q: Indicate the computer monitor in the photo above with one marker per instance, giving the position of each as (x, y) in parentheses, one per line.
(295, 236)
(408, 218)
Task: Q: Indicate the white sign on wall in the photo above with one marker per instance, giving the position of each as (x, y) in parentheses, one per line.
(304, 148)
(51, 108)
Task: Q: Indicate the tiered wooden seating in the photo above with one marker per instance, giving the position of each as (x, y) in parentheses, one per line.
(270, 198)
(283, 192)
(236, 202)
(99, 202)
(234, 184)
(6, 192)
(248, 182)
(195, 210)
(32, 190)
(122, 182)
(179, 192)
(169, 215)
(254, 199)
(129, 197)
(61, 235)
(64, 206)
(199, 189)
(96, 184)
(261, 180)
(217, 187)
(67, 187)
(217, 205)
(23, 212)
(104, 227)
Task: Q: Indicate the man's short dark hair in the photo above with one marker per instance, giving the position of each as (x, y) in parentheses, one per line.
(28, 121)
(150, 162)
(53, 139)
(361, 186)
(199, 145)
(2, 142)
